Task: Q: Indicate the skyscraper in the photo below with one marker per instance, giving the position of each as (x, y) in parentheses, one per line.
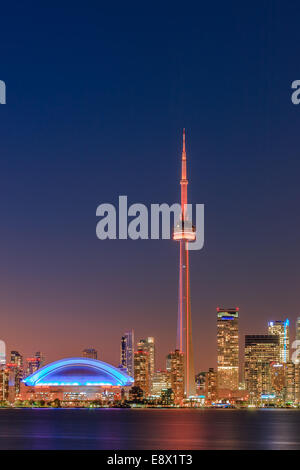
(277, 371)
(90, 353)
(161, 381)
(2, 354)
(184, 232)
(211, 386)
(127, 352)
(4, 384)
(16, 360)
(260, 352)
(228, 348)
(151, 351)
(34, 363)
(148, 345)
(281, 328)
(141, 371)
(40, 359)
(175, 364)
(292, 376)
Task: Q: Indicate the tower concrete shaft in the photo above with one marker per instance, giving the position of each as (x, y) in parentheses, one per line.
(184, 233)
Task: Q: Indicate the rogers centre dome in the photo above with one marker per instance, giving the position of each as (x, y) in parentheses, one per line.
(79, 377)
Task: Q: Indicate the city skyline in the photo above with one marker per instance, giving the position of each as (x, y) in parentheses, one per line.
(234, 356)
(266, 374)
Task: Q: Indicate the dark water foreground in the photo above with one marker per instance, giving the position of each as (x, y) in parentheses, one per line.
(149, 429)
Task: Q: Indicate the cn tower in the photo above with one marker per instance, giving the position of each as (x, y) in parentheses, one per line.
(184, 233)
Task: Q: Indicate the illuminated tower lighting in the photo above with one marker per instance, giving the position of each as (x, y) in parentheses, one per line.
(184, 232)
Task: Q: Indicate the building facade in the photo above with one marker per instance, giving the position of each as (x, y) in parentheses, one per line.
(2, 354)
(161, 381)
(127, 352)
(141, 371)
(260, 352)
(148, 345)
(34, 363)
(228, 348)
(175, 363)
(281, 328)
(211, 386)
(292, 382)
(75, 379)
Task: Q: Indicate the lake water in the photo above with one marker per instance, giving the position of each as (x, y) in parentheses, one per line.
(116, 429)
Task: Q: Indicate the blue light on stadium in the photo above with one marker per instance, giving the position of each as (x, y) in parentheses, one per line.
(79, 371)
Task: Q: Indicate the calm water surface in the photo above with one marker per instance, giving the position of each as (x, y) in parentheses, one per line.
(149, 429)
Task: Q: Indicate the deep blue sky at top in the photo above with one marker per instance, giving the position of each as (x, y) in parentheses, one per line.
(97, 96)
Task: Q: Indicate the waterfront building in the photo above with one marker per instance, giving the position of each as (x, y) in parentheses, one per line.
(282, 330)
(16, 362)
(161, 381)
(90, 353)
(176, 364)
(4, 380)
(75, 379)
(141, 371)
(292, 383)
(211, 386)
(260, 352)
(228, 348)
(148, 345)
(277, 371)
(127, 352)
(167, 397)
(200, 383)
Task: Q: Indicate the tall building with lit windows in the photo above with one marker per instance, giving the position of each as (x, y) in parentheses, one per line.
(261, 351)
(2, 354)
(281, 328)
(148, 345)
(292, 382)
(16, 361)
(34, 363)
(211, 386)
(228, 348)
(127, 352)
(141, 371)
(161, 381)
(175, 367)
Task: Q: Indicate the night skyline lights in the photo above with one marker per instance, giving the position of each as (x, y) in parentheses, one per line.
(266, 374)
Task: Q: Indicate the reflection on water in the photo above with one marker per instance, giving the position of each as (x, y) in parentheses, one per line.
(149, 429)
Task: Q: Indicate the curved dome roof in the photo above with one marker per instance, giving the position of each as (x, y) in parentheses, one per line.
(79, 371)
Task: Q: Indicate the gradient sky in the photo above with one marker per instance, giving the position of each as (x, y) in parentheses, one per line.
(96, 100)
